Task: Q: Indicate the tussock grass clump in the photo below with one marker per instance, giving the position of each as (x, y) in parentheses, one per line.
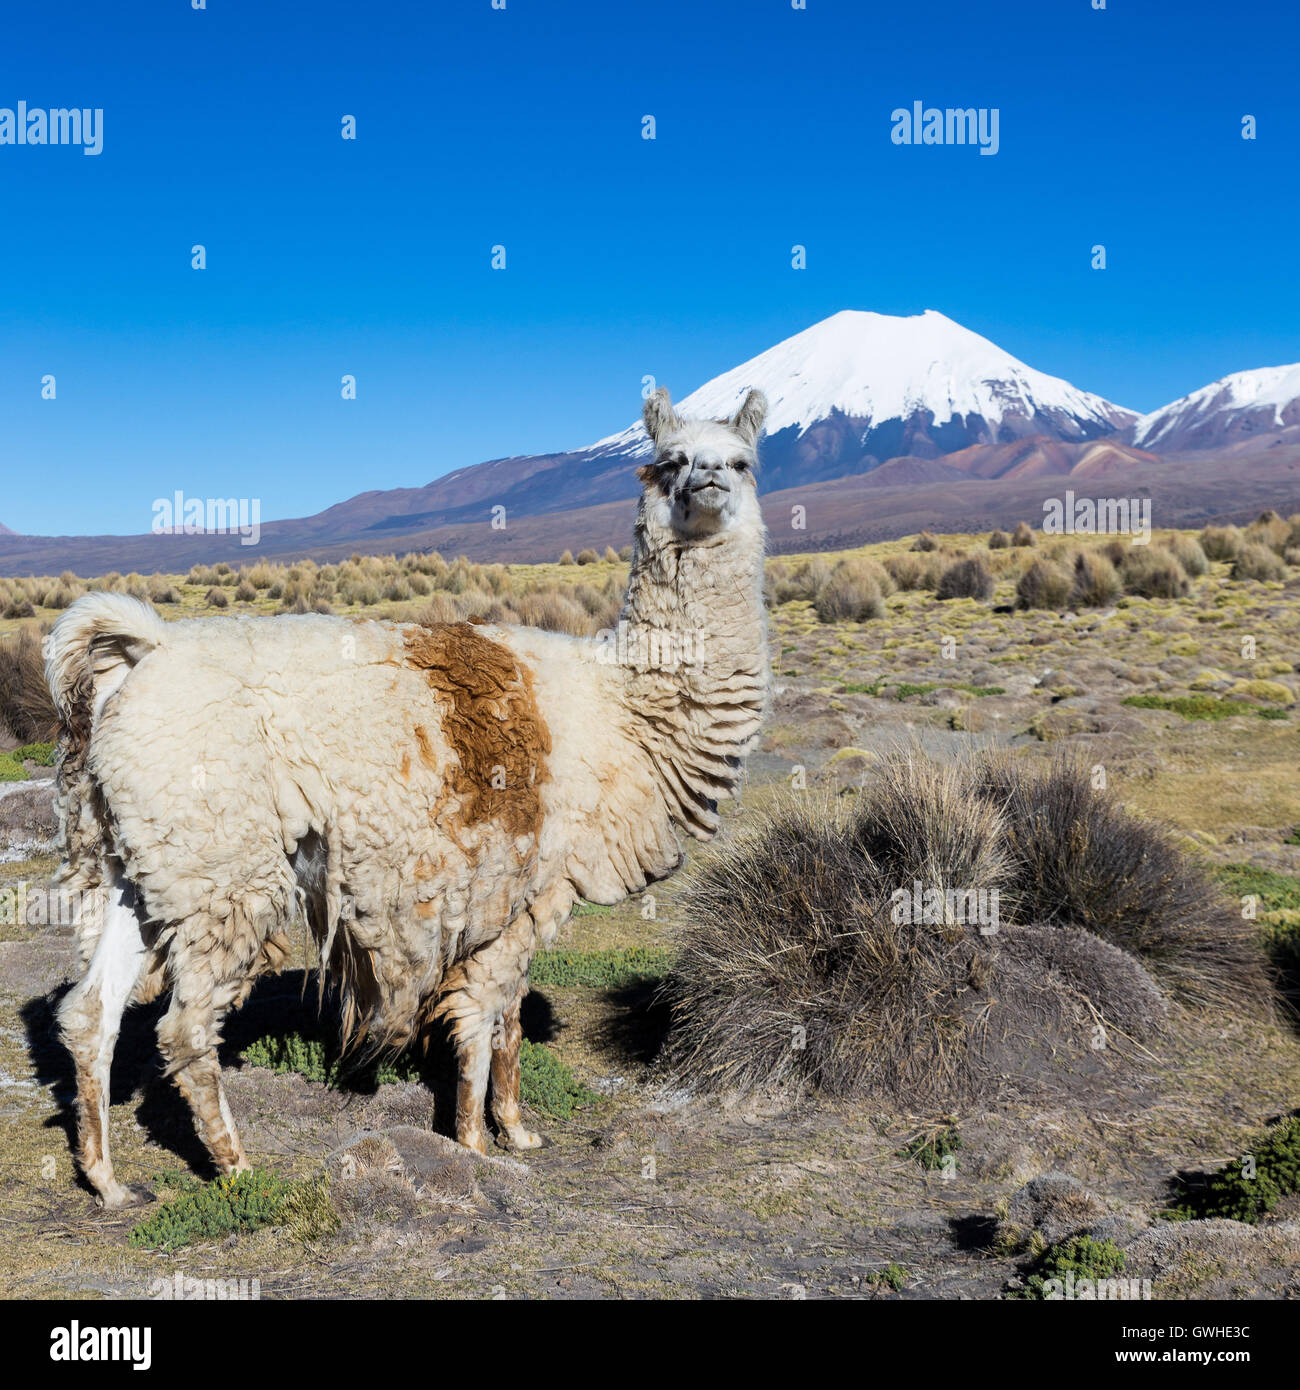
(999, 540)
(853, 593)
(553, 612)
(968, 578)
(1082, 859)
(1152, 572)
(1044, 585)
(26, 709)
(805, 581)
(1023, 534)
(925, 541)
(1221, 542)
(805, 963)
(910, 572)
(1188, 553)
(1269, 531)
(1254, 561)
(1096, 583)
(217, 598)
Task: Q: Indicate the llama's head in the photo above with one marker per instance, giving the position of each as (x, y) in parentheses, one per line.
(701, 483)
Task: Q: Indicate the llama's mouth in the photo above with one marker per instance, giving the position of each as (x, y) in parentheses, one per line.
(710, 486)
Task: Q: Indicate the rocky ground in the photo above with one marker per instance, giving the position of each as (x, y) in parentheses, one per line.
(647, 1191)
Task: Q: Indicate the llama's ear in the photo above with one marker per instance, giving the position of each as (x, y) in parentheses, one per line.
(659, 416)
(748, 420)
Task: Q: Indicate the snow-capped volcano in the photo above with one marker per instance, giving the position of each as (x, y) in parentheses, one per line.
(1235, 408)
(921, 385)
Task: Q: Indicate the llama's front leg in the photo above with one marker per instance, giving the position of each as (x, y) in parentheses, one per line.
(90, 1019)
(506, 1041)
(474, 1055)
(187, 1037)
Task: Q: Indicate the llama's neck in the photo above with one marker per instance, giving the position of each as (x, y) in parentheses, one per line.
(693, 653)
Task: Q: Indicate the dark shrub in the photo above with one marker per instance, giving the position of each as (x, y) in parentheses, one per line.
(968, 578)
(1081, 859)
(925, 541)
(796, 965)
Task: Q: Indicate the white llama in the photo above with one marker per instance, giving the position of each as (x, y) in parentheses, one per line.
(439, 796)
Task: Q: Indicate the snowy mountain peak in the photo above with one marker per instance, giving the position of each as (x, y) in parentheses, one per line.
(877, 368)
(1244, 403)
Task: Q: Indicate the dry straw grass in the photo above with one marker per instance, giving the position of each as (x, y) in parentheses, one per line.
(793, 970)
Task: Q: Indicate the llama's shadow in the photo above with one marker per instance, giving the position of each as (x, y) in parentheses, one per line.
(136, 1071)
(279, 1008)
(636, 1028)
(974, 1233)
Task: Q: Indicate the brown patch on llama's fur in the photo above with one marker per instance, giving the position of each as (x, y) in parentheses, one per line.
(491, 720)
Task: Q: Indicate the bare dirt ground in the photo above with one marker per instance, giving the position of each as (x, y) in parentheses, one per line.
(648, 1192)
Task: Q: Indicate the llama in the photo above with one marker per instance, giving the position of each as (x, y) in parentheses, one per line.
(432, 799)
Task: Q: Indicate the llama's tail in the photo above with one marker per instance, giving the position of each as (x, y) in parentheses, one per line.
(91, 651)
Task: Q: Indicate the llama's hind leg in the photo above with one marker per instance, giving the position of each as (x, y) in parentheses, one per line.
(188, 1037)
(89, 1019)
(506, 1042)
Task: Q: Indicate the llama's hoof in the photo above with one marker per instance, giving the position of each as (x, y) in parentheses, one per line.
(475, 1142)
(118, 1197)
(517, 1137)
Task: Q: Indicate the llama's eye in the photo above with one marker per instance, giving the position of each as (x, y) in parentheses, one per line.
(740, 464)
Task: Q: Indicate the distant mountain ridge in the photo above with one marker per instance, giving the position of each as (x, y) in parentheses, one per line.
(875, 404)
(1233, 409)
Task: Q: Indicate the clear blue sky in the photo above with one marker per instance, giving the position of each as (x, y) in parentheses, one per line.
(625, 256)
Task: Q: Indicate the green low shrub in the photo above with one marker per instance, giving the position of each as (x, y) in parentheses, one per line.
(1251, 1186)
(206, 1211)
(548, 1085)
(1192, 706)
(930, 1150)
(310, 1057)
(612, 969)
(1081, 1256)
